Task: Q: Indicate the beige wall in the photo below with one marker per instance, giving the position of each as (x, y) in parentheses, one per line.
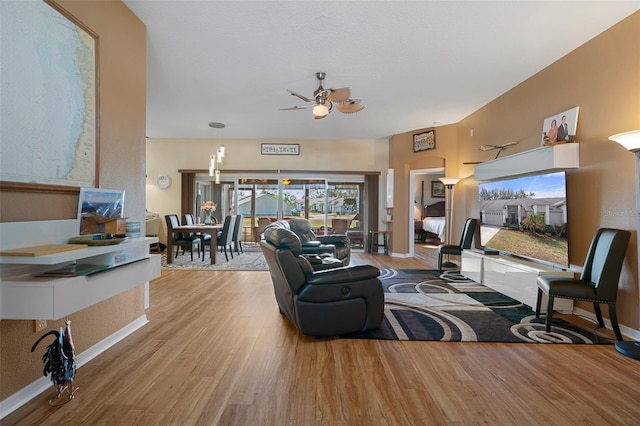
(122, 98)
(167, 156)
(602, 77)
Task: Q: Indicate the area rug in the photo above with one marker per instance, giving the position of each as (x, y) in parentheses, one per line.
(427, 305)
(251, 260)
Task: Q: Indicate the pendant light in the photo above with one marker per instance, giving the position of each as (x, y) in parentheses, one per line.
(214, 171)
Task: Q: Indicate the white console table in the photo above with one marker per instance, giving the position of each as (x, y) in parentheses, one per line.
(517, 278)
(23, 296)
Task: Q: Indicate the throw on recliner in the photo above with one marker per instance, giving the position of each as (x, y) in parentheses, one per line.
(330, 302)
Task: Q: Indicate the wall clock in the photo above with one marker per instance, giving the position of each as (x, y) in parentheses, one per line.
(164, 181)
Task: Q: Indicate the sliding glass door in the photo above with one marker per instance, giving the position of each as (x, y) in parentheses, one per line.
(331, 207)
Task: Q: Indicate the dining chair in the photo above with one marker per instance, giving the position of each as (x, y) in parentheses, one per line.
(237, 234)
(465, 242)
(179, 239)
(188, 219)
(598, 282)
(225, 238)
(339, 226)
(263, 222)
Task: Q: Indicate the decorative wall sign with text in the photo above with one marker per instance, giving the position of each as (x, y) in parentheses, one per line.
(280, 149)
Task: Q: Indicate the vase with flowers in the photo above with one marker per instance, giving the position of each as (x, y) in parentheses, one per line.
(208, 207)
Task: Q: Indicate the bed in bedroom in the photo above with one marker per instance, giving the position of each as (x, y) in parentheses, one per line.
(434, 223)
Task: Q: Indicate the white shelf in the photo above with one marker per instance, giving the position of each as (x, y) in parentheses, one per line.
(544, 159)
(25, 296)
(68, 256)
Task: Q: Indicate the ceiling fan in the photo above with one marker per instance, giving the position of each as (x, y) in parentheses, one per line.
(323, 99)
(500, 148)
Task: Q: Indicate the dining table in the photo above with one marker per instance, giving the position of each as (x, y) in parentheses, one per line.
(198, 229)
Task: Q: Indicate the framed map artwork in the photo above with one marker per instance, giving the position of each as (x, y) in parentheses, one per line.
(48, 76)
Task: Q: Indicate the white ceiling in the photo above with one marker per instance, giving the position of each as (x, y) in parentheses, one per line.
(413, 63)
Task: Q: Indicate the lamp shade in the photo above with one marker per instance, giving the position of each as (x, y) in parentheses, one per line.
(320, 110)
(449, 181)
(630, 140)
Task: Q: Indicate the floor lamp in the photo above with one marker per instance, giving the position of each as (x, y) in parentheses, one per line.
(631, 141)
(449, 183)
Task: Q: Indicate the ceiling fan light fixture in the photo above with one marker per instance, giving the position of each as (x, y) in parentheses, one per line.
(320, 111)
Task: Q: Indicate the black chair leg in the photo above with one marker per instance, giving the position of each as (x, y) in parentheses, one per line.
(614, 321)
(598, 312)
(440, 262)
(225, 253)
(538, 303)
(547, 323)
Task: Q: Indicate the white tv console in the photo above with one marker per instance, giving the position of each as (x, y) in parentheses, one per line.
(23, 296)
(517, 278)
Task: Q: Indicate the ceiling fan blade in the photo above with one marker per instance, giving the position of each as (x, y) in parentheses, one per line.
(294, 108)
(488, 147)
(304, 98)
(339, 95)
(350, 107)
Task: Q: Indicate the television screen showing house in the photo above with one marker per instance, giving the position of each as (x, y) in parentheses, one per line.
(526, 217)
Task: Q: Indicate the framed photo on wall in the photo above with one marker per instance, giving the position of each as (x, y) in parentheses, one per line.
(437, 189)
(560, 128)
(424, 141)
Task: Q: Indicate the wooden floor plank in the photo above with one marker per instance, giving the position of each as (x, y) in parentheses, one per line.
(217, 351)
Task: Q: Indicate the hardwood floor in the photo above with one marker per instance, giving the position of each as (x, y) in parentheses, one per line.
(217, 351)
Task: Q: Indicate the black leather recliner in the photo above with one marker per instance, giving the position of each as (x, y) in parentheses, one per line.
(323, 303)
(336, 245)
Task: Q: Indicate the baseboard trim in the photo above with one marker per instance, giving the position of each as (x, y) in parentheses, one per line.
(627, 332)
(18, 399)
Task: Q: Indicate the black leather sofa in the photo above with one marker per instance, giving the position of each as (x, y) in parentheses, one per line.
(335, 245)
(322, 303)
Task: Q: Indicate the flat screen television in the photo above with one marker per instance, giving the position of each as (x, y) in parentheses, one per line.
(526, 217)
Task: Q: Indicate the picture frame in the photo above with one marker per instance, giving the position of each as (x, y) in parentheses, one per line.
(437, 189)
(424, 141)
(96, 205)
(560, 128)
(73, 110)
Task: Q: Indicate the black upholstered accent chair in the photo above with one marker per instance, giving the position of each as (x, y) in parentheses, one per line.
(465, 241)
(330, 302)
(598, 282)
(237, 234)
(335, 245)
(181, 240)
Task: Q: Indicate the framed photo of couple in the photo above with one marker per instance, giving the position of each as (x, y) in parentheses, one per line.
(560, 128)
